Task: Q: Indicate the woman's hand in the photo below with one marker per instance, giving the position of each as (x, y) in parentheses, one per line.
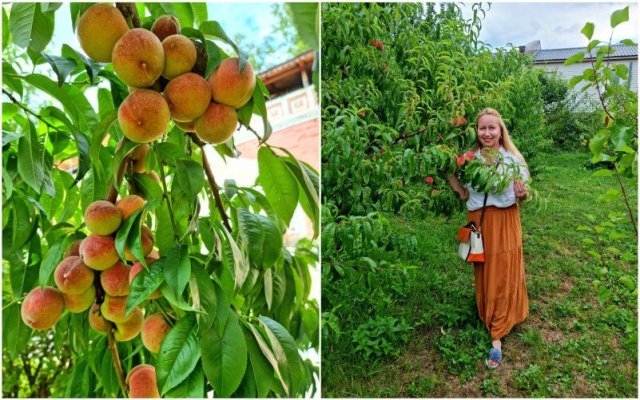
(457, 187)
(520, 190)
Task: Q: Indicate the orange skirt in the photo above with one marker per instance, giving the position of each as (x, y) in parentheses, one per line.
(501, 291)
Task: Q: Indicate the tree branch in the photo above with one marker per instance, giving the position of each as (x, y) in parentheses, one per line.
(626, 201)
(212, 181)
(130, 13)
(405, 136)
(27, 110)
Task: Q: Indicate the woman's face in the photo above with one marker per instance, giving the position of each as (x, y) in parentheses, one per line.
(489, 132)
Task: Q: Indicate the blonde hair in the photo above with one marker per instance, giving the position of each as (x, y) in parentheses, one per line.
(505, 139)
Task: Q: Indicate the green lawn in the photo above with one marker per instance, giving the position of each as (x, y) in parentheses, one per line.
(568, 347)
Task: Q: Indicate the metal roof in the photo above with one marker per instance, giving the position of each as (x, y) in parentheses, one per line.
(550, 55)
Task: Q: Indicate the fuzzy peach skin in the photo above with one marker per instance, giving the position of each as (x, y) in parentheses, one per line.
(147, 244)
(115, 280)
(142, 382)
(113, 308)
(73, 249)
(179, 55)
(139, 157)
(98, 30)
(154, 329)
(96, 320)
(217, 124)
(130, 328)
(138, 58)
(99, 252)
(72, 276)
(77, 303)
(144, 116)
(42, 308)
(165, 26)
(231, 87)
(188, 96)
(102, 217)
(130, 204)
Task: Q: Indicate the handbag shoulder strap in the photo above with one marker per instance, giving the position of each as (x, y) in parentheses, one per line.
(484, 205)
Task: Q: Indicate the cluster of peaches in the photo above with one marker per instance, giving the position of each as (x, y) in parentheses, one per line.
(159, 66)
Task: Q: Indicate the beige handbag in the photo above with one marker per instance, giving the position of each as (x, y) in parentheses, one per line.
(471, 247)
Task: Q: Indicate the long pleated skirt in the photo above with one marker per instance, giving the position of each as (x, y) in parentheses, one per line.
(501, 291)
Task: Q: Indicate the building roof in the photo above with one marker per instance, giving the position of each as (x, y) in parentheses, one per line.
(551, 55)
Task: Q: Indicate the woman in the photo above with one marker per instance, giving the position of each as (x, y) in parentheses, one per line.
(501, 293)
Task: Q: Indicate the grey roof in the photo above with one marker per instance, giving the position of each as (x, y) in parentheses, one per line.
(551, 55)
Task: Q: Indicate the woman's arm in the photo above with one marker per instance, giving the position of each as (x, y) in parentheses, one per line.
(457, 187)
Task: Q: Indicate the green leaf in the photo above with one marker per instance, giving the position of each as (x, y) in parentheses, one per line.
(145, 283)
(189, 178)
(603, 172)
(10, 78)
(628, 42)
(149, 189)
(15, 334)
(134, 240)
(62, 66)
(200, 12)
(51, 260)
(262, 370)
(278, 183)
(21, 22)
(587, 30)
(5, 28)
(30, 162)
(215, 55)
(214, 29)
(190, 388)
(306, 18)
(308, 189)
(592, 45)
(177, 269)
(123, 232)
(92, 67)
(224, 358)
(108, 375)
(619, 16)
(269, 355)
(260, 108)
(576, 58)
(207, 296)
(252, 235)
(286, 352)
(179, 354)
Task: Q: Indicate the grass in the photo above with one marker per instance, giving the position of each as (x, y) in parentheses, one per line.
(568, 347)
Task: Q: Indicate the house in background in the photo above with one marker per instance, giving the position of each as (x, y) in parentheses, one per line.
(552, 60)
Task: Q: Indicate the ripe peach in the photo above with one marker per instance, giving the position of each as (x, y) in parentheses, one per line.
(139, 157)
(165, 26)
(229, 86)
(130, 328)
(179, 55)
(42, 308)
(99, 28)
(113, 308)
(96, 320)
(115, 280)
(77, 303)
(144, 116)
(73, 249)
(142, 382)
(154, 329)
(147, 244)
(188, 96)
(72, 276)
(138, 58)
(186, 126)
(135, 270)
(130, 204)
(102, 217)
(217, 124)
(99, 252)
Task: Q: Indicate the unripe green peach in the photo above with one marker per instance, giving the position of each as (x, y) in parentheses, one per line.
(146, 238)
(42, 308)
(154, 329)
(138, 58)
(99, 28)
(188, 96)
(165, 26)
(113, 308)
(179, 55)
(130, 328)
(115, 280)
(102, 218)
(96, 320)
(72, 276)
(135, 270)
(99, 252)
(130, 204)
(73, 249)
(144, 116)
(142, 382)
(77, 303)
(231, 87)
(217, 124)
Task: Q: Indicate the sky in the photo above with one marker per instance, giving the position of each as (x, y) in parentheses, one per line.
(556, 25)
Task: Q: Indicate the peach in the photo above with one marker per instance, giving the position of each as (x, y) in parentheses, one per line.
(147, 244)
(102, 217)
(188, 96)
(186, 126)
(96, 321)
(135, 270)
(142, 382)
(130, 204)
(144, 116)
(42, 308)
(154, 329)
(155, 177)
(113, 308)
(99, 28)
(72, 276)
(138, 58)
(217, 124)
(165, 26)
(139, 158)
(130, 328)
(115, 280)
(77, 303)
(73, 249)
(179, 55)
(231, 87)
(99, 252)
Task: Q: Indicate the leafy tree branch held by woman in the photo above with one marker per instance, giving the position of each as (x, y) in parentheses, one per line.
(501, 292)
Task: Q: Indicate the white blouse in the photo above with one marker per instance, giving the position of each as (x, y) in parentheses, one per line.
(504, 199)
